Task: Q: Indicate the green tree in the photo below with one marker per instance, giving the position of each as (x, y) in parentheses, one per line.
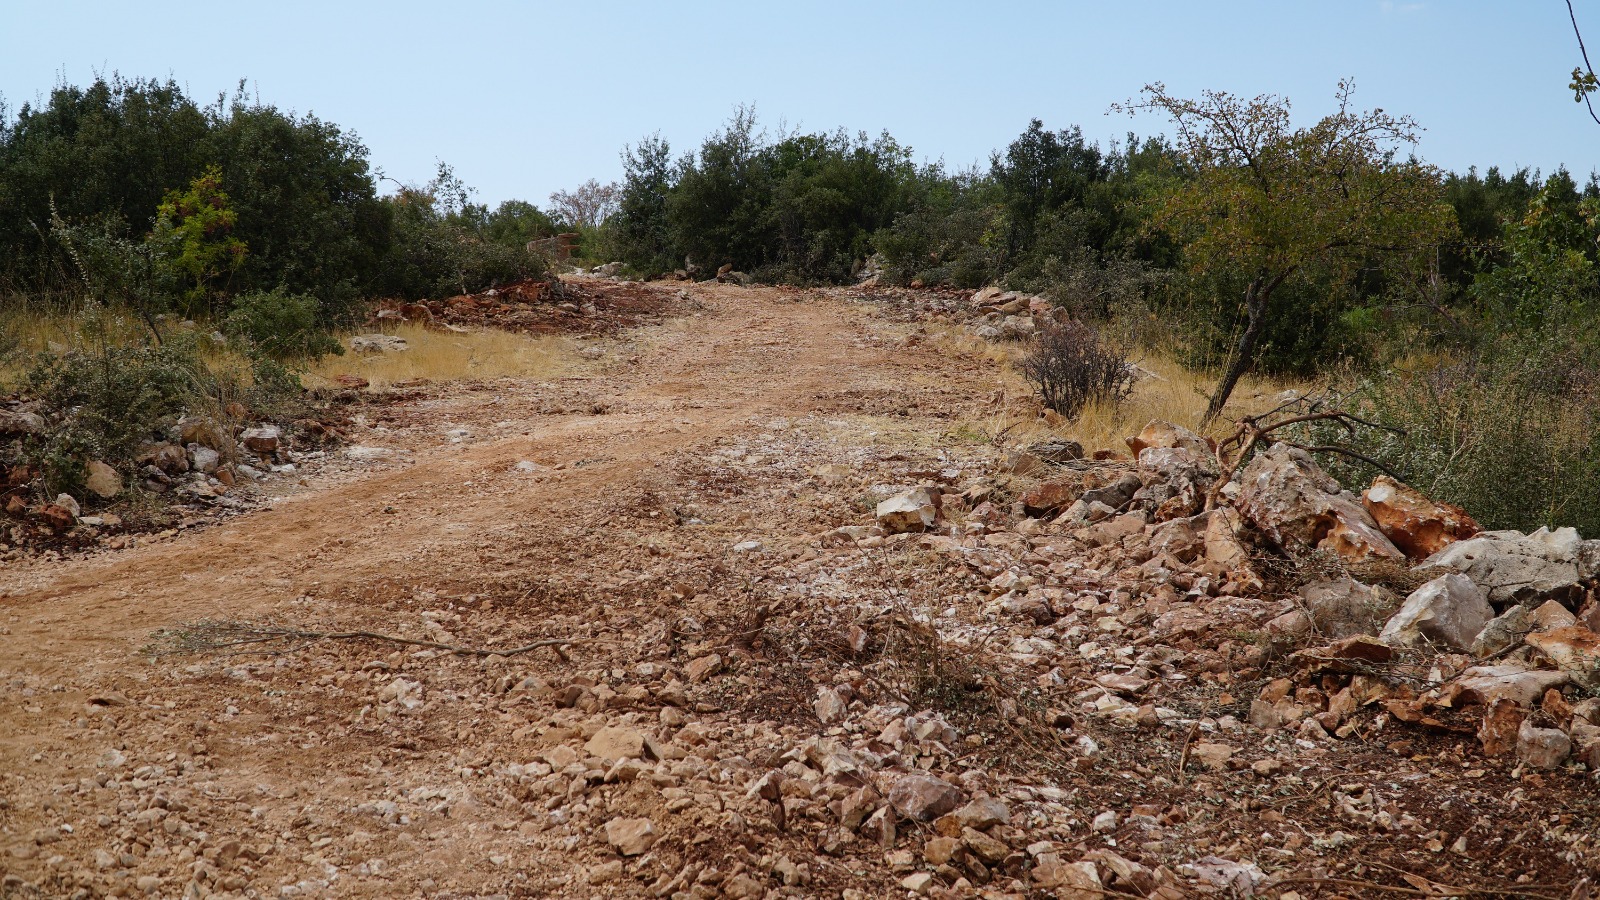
(194, 231)
(1276, 204)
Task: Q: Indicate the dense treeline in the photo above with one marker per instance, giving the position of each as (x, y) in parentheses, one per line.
(1059, 215)
(1458, 308)
(143, 192)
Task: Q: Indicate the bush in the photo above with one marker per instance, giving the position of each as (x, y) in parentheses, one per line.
(280, 325)
(1511, 435)
(107, 401)
(1072, 367)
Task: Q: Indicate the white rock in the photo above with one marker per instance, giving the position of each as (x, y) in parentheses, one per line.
(1450, 610)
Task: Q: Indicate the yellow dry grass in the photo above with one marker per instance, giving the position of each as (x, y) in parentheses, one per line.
(440, 355)
(1171, 393)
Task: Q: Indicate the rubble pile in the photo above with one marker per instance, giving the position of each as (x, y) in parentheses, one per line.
(538, 306)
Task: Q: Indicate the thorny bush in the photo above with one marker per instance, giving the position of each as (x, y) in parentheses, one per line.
(1073, 366)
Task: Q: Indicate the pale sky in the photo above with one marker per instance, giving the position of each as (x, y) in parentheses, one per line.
(523, 98)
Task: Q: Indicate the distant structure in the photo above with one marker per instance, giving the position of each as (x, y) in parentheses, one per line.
(558, 248)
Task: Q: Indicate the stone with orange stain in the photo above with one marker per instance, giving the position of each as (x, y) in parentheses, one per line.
(1298, 506)
(1420, 527)
(1575, 650)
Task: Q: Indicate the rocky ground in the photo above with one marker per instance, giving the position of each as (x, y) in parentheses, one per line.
(773, 614)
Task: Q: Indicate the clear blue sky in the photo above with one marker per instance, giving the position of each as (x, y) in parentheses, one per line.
(524, 98)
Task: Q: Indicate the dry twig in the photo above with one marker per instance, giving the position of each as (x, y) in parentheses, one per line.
(206, 636)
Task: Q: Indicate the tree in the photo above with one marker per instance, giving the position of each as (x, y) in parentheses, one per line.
(1275, 204)
(588, 206)
(194, 229)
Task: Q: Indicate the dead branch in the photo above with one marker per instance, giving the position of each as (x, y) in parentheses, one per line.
(207, 636)
(1252, 430)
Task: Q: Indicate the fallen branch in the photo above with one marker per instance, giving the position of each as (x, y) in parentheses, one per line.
(206, 636)
(1250, 430)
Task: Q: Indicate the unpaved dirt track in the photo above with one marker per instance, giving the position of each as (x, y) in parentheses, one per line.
(679, 529)
(72, 632)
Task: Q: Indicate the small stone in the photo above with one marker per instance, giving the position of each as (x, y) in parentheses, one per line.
(1105, 822)
(924, 798)
(983, 813)
(829, 706)
(940, 850)
(613, 743)
(918, 883)
(987, 848)
(1542, 748)
(1214, 757)
(261, 440)
(700, 669)
(631, 837)
(910, 511)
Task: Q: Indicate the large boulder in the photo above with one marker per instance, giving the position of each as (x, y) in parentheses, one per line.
(1420, 527)
(1518, 568)
(17, 422)
(1297, 505)
(910, 511)
(1450, 610)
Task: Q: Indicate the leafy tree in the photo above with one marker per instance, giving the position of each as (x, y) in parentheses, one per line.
(639, 233)
(1277, 204)
(516, 222)
(194, 230)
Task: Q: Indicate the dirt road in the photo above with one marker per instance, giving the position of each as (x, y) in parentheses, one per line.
(448, 529)
(753, 693)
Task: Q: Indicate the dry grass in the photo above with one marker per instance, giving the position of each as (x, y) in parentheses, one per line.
(1172, 393)
(437, 355)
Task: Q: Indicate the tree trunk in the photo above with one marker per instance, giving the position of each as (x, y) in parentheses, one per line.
(1255, 303)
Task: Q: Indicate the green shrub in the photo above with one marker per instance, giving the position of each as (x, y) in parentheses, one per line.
(1512, 434)
(106, 402)
(280, 325)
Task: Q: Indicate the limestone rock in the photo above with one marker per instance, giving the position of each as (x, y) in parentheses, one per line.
(1420, 527)
(261, 440)
(1167, 435)
(910, 511)
(14, 422)
(1575, 650)
(1508, 681)
(924, 798)
(1345, 608)
(829, 706)
(615, 742)
(1515, 567)
(103, 480)
(1296, 504)
(1542, 748)
(631, 837)
(1450, 610)
(1503, 631)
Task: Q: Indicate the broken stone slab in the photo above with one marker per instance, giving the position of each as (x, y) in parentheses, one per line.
(1575, 650)
(1113, 530)
(631, 837)
(911, 511)
(1416, 524)
(1345, 607)
(261, 440)
(378, 343)
(15, 422)
(1450, 610)
(1518, 568)
(1057, 451)
(1507, 681)
(1542, 748)
(1297, 505)
(615, 742)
